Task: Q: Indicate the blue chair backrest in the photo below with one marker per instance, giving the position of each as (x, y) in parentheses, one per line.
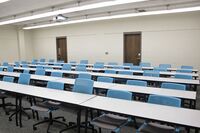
(17, 64)
(23, 62)
(67, 67)
(165, 66)
(119, 94)
(83, 86)
(164, 100)
(8, 79)
(173, 86)
(160, 69)
(184, 70)
(136, 68)
(110, 71)
(24, 78)
(151, 73)
(60, 61)
(5, 64)
(72, 62)
(48, 67)
(118, 67)
(81, 68)
(186, 67)
(56, 74)
(26, 71)
(125, 72)
(39, 67)
(84, 62)
(40, 71)
(10, 69)
(105, 79)
(99, 63)
(145, 64)
(25, 65)
(42, 60)
(98, 66)
(55, 85)
(128, 64)
(1, 68)
(51, 60)
(136, 82)
(112, 63)
(85, 75)
(182, 76)
(57, 64)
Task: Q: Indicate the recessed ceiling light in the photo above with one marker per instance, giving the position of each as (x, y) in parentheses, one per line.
(180, 10)
(70, 10)
(2, 1)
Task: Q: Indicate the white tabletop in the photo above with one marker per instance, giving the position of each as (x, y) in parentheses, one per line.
(187, 117)
(58, 95)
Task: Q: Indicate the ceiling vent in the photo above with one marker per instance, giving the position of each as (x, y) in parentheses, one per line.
(60, 18)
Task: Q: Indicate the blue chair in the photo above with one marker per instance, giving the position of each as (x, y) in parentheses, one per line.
(5, 64)
(110, 71)
(112, 63)
(39, 67)
(173, 86)
(81, 68)
(57, 64)
(17, 64)
(105, 79)
(165, 66)
(145, 64)
(72, 62)
(26, 71)
(85, 75)
(56, 74)
(118, 67)
(84, 62)
(136, 82)
(152, 127)
(136, 68)
(48, 67)
(67, 67)
(99, 63)
(128, 64)
(60, 61)
(83, 86)
(160, 69)
(40, 71)
(23, 62)
(125, 72)
(184, 70)
(49, 106)
(25, 65)
(10, 69)
(24, 78)
(186, 67)
(51, 60)
(151, 73)
(98, 66)
(4, 95)
(1, 68)
(42, 60)
(182, 76)
(113, 122)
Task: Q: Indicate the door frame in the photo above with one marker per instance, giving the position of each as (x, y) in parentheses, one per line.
(61, 37)
(132, 33)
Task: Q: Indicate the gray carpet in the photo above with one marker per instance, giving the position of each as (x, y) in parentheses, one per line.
(7, 126)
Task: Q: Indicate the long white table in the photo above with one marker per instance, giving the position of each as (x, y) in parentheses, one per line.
(162, 73)
(190, 95)
(121, 76)
(180, 116)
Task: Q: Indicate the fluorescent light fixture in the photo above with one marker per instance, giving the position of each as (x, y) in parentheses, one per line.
(180, 10)
(70, 10)
(2, 1)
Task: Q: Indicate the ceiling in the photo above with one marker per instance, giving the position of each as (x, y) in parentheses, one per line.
(19, 8)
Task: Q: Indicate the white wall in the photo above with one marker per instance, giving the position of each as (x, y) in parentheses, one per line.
(170, 38)
(9, 50)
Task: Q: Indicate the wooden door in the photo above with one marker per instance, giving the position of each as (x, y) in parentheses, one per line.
(61, 45)
(132, 48)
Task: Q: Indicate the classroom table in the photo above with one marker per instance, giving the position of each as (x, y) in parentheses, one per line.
(174, 115)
